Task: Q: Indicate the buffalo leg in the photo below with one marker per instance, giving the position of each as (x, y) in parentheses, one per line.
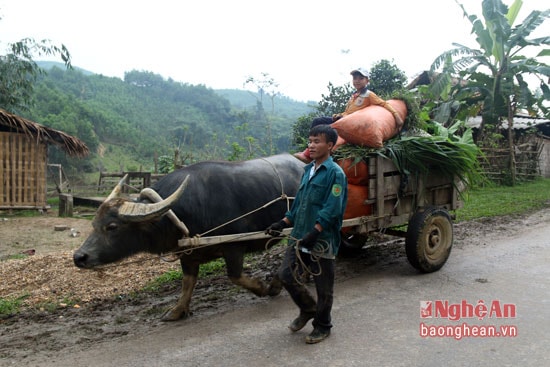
(234, 261)
(254, 285)
(275, 286)
(189, 280)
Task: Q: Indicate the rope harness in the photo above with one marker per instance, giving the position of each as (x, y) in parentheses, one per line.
(195, 240)
(282, 197)
(301, 270)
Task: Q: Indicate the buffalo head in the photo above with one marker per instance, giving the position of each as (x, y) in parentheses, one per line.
(122, 228)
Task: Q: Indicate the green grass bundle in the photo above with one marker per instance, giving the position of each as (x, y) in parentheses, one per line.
(417, 152)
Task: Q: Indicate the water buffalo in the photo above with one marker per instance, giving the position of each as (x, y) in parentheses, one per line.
(216, 194)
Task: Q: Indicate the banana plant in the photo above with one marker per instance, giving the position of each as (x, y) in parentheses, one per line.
(491, 80)
(493, 76)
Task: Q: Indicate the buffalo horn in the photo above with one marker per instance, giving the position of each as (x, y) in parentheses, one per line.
(116, 191)
(149, 193)
(136, 212)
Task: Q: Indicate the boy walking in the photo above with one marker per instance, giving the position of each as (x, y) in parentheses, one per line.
(316, 216)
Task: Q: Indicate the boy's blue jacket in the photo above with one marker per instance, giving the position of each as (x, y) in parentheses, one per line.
(321, 199)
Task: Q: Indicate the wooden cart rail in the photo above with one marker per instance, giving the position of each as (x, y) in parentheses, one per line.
(394, 204)
(190, 242)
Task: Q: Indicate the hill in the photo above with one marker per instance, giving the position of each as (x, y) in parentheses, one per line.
(146, 119)
(283, 106)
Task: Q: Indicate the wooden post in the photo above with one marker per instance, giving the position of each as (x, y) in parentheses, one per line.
(380, 191)
(65, 205)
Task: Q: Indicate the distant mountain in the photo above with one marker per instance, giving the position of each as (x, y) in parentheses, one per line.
(47, 65)
(283, 106)
(239, 98)
(131, 123)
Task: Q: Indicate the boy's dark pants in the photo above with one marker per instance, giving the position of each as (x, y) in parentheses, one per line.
(323, 275)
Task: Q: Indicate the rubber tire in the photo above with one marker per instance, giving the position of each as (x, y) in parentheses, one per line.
(351, 247)
(429, 239)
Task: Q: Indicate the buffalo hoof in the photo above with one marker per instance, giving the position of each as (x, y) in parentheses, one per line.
(274, 289)
(174, 315)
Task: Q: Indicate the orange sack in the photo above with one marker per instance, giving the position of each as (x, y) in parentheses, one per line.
(339, 143)
(356, 172)
(372, 125)
(356, 207)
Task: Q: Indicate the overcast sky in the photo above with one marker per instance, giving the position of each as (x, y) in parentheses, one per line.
(302, 44)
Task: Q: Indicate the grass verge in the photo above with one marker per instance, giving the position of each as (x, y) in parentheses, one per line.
(505, 200)
(214, 267)
(10, 306)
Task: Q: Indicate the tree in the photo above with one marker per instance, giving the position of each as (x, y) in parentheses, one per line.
(144, 79)
(18, 71)
(386, 78)
(266, 85)
(504, 90)
(333, 102)
(336, 99)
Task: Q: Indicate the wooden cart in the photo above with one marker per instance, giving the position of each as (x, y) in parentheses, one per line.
(394, 200)
(422, 202)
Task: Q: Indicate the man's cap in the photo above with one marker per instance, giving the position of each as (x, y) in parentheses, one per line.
(361, 71)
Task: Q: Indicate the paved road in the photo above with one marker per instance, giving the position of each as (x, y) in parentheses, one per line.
(376, 317)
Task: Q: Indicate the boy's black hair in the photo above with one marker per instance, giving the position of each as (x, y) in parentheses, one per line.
(330, 134)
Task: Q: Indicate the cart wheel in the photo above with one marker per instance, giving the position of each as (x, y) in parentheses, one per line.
(351, 247)
(429, 239)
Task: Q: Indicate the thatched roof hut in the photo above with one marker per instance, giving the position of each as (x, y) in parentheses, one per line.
(71, 145)
(23, 160)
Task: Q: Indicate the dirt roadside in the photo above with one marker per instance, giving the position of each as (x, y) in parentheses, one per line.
(73, 308)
